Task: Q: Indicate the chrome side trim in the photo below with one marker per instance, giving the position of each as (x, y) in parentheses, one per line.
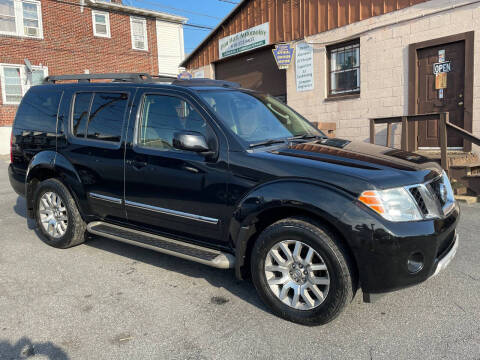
(443, 263)
(105, 197)
(171, 212)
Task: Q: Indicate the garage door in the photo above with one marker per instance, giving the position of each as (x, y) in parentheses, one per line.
(256, 70)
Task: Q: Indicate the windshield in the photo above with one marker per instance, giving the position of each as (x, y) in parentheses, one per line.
(256, 118)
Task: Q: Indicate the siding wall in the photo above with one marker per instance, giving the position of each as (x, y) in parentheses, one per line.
(293, 19)
(170, 47)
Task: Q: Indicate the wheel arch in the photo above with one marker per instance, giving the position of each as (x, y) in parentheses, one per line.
(313, 201)
(49, 164)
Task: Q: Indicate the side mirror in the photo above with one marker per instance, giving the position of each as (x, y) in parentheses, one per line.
(190, 141)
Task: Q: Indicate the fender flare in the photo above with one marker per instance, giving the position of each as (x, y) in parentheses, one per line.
(62, 169)
(310, 196)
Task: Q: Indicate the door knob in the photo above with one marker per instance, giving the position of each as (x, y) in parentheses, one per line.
(460, 103)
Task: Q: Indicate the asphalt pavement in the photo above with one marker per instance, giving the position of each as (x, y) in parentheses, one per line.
(109, 300)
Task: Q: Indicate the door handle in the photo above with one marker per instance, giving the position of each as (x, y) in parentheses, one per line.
(460, 103)
(137, 164)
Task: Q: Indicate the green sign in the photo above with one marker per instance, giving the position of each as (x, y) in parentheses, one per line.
(252, 38)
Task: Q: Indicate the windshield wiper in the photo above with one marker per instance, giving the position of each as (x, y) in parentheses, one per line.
(267, 142)
(306, 136)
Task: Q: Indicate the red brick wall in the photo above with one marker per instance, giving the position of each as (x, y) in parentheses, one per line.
(69, 46)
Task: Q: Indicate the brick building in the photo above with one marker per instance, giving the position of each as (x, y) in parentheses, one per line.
(77, 36)
(355, 60)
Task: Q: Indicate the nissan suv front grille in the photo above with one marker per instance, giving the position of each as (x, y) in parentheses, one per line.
(434, 198)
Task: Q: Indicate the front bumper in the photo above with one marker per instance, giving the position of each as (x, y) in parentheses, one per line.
(448, 256)
(382, 249)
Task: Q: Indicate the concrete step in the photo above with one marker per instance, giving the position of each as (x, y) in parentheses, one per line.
(466, 199)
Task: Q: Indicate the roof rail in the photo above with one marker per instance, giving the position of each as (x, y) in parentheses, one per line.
(129, 77)
(206, 82)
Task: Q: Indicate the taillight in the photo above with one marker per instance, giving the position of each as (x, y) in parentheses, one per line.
(11, 147)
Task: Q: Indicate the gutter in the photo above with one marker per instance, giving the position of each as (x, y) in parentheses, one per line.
(137, 11)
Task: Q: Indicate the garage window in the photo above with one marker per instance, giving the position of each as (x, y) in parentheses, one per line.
(344, 68)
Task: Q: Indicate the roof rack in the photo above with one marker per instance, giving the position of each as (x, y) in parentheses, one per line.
(206, 82)
(81, 78)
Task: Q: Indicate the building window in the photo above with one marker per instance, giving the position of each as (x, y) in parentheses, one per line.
(344, 68)
(139, 33)
(21, 18)
(16, 80)
(101, 24)
(7, 17)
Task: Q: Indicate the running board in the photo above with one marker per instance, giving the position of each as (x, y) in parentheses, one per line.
(163, 244)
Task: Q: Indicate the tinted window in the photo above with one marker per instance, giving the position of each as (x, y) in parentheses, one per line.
(38, 110)
(99, 115)
(106, 116)
(165, 115)
(80, 113)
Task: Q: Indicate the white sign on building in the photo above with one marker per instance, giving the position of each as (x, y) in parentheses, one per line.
(245, 40)
(304, 67)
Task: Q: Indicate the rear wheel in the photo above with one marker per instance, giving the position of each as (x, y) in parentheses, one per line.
(301, 271)
(57, 215)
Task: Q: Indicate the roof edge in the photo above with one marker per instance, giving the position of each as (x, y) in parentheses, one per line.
(137, 11)
(212, 33)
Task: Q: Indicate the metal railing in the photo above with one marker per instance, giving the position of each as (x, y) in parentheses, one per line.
(409, 139)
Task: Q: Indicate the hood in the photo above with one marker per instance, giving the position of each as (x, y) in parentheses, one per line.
(378, 165)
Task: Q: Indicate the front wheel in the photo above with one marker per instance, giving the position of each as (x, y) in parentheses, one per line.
(57, 215)
(301, 272)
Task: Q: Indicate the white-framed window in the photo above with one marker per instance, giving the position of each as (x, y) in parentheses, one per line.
(16, 80)
(138, 28)
(101, 23)
(21, 18)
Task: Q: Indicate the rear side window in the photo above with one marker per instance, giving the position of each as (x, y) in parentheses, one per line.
(99, 115)
(38, 110)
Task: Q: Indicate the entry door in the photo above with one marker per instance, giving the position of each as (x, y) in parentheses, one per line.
(169, 190)
(430, 99)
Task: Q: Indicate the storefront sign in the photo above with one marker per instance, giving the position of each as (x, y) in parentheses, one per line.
(184, 75)
(252, 38)
(442, 67)
(304, 67)
(283, 54)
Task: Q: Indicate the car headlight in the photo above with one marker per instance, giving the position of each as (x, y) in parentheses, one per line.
(393, 204)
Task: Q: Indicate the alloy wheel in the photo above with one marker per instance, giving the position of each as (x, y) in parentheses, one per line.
(53, 214)
(297, 274)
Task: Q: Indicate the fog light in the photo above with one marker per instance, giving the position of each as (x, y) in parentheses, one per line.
(415, 263)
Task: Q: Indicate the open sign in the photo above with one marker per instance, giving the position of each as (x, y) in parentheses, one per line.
(442, 67)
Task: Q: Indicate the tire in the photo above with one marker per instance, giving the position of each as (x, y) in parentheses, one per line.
(327, 253)
(64, 237)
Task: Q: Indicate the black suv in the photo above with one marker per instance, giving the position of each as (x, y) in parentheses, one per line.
(231, 178)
